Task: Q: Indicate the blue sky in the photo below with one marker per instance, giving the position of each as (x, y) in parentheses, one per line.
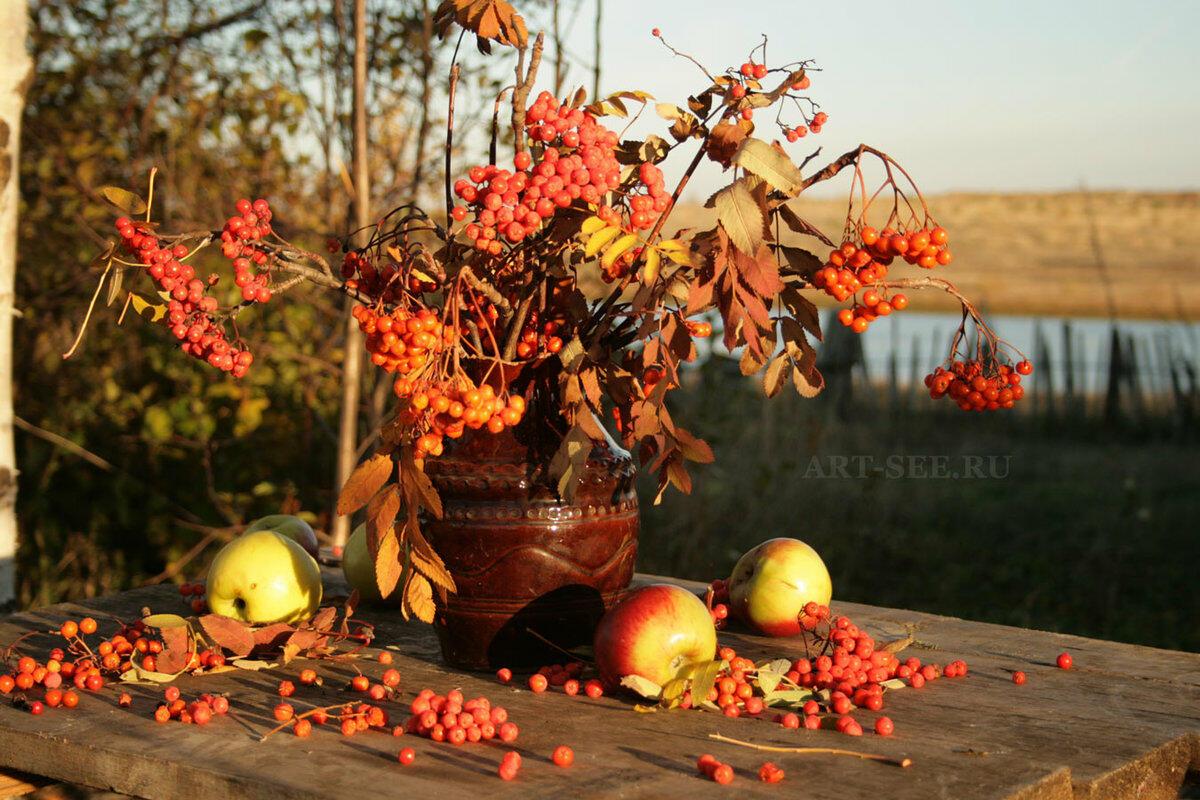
(988, 96)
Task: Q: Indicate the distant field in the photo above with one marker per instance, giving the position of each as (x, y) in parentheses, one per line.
(1033, 253)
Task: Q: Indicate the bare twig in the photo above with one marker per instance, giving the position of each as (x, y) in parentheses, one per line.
(828, 751)
(87, 316)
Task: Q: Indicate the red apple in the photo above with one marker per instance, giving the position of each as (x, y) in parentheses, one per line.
(653, 632)
(772, 582)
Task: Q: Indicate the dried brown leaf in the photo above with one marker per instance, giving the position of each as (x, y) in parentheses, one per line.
(388, 568)
(418, 598)
(234, 636)
(367, 479)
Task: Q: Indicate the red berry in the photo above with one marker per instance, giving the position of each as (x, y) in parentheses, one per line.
(407, 756)
(593, 689)
(769, 773)
(504, 675)
(884, 726)
(563, 756)
(723, 774)
(87, 625)
(1018, 678)
(302, 728)
(538, 683)
(287, 688)
(1064, 661)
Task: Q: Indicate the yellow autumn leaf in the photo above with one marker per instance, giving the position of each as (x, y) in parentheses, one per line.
(591, 225)
(619, 248)
(599, 239)
(651, 267)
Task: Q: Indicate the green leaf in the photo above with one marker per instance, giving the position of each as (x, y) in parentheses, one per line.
(161, 621)
(643, 686)
(253, 665)
(740, 216)
(772, 165)
(893, 683)
(123, 199)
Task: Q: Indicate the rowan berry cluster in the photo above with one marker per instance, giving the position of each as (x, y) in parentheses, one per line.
(448, 410)
(747, 79)
(577, 161)
(31, 675)
(190, 310)
(849, 670)
(851, 267)
(979, 385)
(250, 224)
(197, 712)
(403, 341)
(381, 278)
(454, 719)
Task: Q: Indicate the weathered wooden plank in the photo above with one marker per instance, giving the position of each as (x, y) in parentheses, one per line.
(1124, 723)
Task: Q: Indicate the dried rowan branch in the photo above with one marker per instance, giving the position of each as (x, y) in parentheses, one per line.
(521, 93)
(486, 289)
(518, 322)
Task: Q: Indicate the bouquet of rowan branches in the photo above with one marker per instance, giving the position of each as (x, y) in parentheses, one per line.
(553, 290)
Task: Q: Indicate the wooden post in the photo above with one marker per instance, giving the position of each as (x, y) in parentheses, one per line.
(13, 74)
(352, 359)
(1112, 395)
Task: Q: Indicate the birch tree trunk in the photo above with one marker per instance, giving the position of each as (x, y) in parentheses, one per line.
(14, 69)
(352, 361)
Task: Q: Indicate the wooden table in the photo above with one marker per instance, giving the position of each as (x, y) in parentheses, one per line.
(1124, 723)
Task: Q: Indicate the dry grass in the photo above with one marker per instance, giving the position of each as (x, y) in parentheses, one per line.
(1033, 253)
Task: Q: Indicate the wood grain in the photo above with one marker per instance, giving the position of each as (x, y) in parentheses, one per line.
(1124, 723)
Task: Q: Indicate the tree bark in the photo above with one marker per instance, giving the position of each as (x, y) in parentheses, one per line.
(352, 360)
(14, 70)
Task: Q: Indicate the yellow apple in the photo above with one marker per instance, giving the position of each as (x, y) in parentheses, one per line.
(264, 577)
(772, 582)
(653, 632)
(358, 567)
(294, 528)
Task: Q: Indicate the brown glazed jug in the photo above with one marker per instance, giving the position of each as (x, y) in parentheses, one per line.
(534, 573)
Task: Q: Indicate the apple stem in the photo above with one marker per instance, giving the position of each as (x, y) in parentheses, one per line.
(831, 751)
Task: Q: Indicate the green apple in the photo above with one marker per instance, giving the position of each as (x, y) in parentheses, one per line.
(772, 582)
(264, 577)
(358, 567)
(294, 528)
